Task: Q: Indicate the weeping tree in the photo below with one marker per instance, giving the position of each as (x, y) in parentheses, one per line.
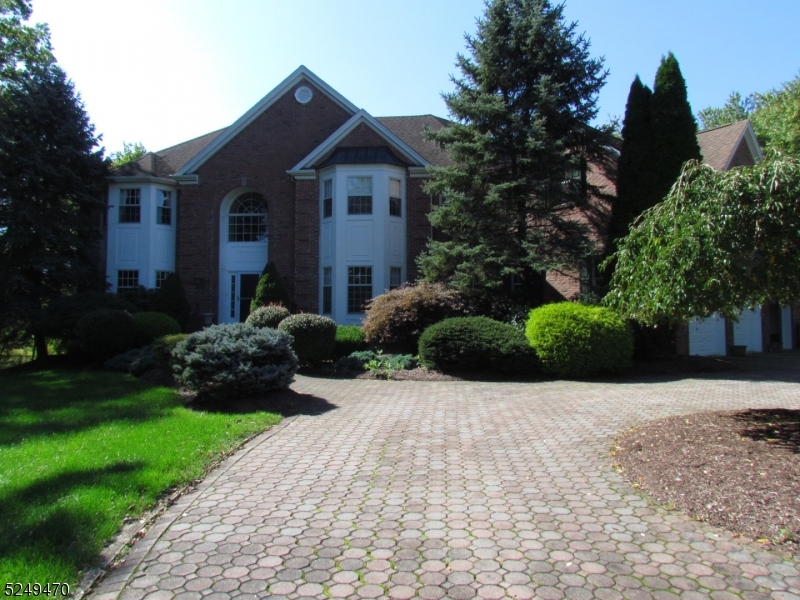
(718, 242)
(520, 133)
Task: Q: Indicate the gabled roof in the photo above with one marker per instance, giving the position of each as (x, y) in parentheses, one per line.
(361, 117)
(719, 145)
(366, 155)
(302, 73)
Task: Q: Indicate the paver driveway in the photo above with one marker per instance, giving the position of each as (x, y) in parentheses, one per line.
(459, 490)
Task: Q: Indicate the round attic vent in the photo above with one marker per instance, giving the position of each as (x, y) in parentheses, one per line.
(303, 94)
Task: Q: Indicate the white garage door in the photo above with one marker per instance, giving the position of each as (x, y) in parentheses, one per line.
(707, 336)
(747, 331)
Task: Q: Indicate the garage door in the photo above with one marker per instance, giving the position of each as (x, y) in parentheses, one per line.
(747, 331)
(707, 336)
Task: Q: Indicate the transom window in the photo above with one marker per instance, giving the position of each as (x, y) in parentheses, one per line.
(395, 198)
(247, 219)
(359, 195)
(359, 288)
(127, 280)
(130, 205)
(164, 212)
(327, 198)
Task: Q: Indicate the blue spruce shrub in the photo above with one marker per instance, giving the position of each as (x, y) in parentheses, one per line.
(235, 359)
(575, 340)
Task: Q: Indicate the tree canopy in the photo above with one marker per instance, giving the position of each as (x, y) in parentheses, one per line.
(659, 134)
(50, 168)
(130, 152)
(519, 141)
(718, 242)
(775, 115)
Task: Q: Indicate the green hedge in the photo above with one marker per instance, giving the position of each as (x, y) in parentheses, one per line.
(105, 333)
(268, 316)
(575, 340)
(349, 339)
(475, 343)
(313, 336)
(154, 325)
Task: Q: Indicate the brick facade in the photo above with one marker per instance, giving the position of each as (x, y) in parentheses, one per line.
(258, 159)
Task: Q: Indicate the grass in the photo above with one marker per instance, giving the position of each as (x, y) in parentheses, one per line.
(82, 450)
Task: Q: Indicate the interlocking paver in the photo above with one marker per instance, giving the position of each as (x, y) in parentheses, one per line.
(458, 490)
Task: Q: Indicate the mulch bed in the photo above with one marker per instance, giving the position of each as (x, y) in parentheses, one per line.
(739, 470)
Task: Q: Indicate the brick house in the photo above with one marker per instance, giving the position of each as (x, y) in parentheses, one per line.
(330, 194)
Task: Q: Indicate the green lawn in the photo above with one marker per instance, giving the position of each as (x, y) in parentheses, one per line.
(81, 450)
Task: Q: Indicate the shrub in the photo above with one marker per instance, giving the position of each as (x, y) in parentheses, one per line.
(141, 298)
(356, 361)
(136, 361)
(397, 318)
(59, 318)
(467, 343)
(105, 333)
(399, 362)
(154, 325)
(171, 299)
(313, 336)
(573, 340)
(164, 346)
(271, 288)
(349, 339)
(367, 360)
(234, 359)
(268, 316)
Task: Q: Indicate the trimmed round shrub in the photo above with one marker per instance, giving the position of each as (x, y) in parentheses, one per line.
(268, 316)
(314, 336)
(235, 359)
(475, 343)
(164, 346)
(105, 333)
(397, 318)
(154, 325)
(575, 340)
(349, 339)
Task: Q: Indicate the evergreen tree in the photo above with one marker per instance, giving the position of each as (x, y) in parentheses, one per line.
(171, 299)
(674, 127)
(271, 288)
(521, 108)
(635, 161)
(50, 207)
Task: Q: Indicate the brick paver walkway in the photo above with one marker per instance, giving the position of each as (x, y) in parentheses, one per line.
(457, 490)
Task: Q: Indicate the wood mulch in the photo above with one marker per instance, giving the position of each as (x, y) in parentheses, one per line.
(739, 470)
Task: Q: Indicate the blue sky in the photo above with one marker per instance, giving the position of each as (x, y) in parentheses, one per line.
(164, 71)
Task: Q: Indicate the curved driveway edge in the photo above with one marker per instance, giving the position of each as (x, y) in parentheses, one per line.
(457, 490)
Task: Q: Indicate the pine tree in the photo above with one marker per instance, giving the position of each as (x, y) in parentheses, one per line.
(634, 193)
(170, 299)
(521, 110)
(50, 207)
(271, 288)
(674, 127)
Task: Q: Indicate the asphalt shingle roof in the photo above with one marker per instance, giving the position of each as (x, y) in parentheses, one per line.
(718, 145)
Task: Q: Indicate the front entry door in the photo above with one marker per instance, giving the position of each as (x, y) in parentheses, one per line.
(243, 290)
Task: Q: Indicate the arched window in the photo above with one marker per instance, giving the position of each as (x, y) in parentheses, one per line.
(247, 219)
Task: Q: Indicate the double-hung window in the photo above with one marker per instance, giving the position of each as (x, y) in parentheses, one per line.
(395, 198)
(327, 198)
(130, 205)
(359, 195)
(359, 288)
(164, 212)
(395, 277)
(127, 279)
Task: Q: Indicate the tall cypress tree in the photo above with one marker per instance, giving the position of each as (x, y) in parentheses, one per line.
(634, 192)
(521, 111)
(674, 126)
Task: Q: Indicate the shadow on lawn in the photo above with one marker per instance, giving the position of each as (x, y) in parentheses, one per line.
(777, 426)
(55, 402)
(47, 523)
(286, 403)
